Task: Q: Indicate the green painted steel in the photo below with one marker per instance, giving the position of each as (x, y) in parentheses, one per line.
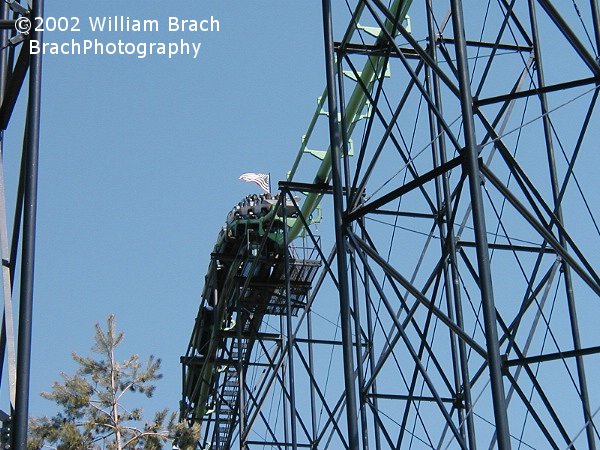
(374, 68)
(199, 384)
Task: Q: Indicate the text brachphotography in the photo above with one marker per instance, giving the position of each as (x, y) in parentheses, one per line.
(140, 50)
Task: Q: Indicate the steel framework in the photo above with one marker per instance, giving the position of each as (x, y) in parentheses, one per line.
(20, 84)
(458, 306)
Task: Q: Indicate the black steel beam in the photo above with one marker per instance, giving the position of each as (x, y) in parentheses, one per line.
(411, 40)
(20, 424)
(510, 247)
(373, 50)
(414, 215)
(289, 338)
(478, 213)
(295, 186)
(536, 91)
(411, 398)
(552, 357)
(402, 190)
(481, 44)
(566, 30)
(279, 444)
(359, 243)
(340, 234)
(7, 24)
(14, 85)
(590, 279)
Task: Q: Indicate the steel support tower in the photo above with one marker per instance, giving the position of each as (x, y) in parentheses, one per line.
(20, 90)
(459, 296)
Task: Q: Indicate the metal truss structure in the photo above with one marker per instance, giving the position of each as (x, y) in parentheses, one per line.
(20, 88)
(458, 307)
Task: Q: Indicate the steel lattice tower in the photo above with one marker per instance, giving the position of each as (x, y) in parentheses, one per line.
(458, 306)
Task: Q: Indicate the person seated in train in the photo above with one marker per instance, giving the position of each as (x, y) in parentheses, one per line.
(207, 321)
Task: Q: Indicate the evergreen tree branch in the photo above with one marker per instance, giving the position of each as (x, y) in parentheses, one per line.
(92, 402)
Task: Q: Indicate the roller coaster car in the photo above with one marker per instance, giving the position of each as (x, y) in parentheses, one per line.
(244, 283)
(206, 321)
(257, 216)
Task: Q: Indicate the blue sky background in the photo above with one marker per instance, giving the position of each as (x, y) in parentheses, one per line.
(139, 166)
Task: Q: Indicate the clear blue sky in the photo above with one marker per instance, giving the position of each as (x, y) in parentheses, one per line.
(140, 161)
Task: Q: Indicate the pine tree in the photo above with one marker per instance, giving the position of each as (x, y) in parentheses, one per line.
(94, 414)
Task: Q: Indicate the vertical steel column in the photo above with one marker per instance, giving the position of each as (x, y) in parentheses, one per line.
(311, 365)
(370, 339)
(471, 155)
(7, 342)
(289, 328)
(448, 256)
(286, 431)
(355, 300)
(19, 439)
(596, 22)
(359, 353)
(340, 235)
(585, 399)
(453, 292)
(4, 71)
(241, 374)
(217, 400)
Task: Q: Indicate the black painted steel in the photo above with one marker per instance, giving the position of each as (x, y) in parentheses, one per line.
(13, 87)
(28, 252)
(462, 229)
(481, 238)
(340, 234)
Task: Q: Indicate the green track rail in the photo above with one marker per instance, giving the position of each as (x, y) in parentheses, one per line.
(232, 258)
(354, 109)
